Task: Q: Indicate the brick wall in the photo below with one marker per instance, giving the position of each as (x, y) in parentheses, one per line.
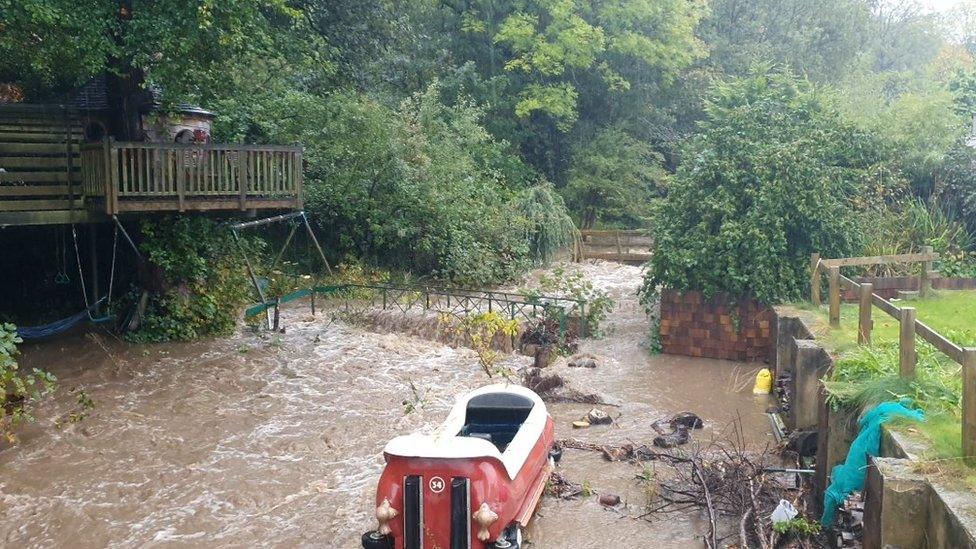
(715, 328)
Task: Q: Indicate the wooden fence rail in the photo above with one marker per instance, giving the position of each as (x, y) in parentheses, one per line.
(909, 325)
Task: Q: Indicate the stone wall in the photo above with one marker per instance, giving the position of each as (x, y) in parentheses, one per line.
(715, 328)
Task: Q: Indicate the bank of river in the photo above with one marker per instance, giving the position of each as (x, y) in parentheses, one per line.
(276, 440)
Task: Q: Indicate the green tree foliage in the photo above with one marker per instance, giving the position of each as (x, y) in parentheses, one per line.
(47, 44)
(613, 179)
(551, 43)
(18, 389)
(196, 277)
(421, 187)
(770, 179)
(549, 229)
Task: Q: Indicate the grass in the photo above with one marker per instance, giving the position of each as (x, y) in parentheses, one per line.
(866, 375)
(951, 313)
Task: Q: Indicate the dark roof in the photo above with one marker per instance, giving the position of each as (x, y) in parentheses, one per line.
(91, 96)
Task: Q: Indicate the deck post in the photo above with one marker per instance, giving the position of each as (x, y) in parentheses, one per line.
(835, 297)
(906, 343)
(299, 177)
(969, 402)
(112, 177)
(815, 279)
(180, 178)
(242, 179)
(865, 324)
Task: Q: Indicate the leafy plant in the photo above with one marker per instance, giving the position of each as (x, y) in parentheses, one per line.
(199, 281)
(798, 526)
(18, 390)
(549, 229)
(573, 283)
(480, 331)
(769, 179)
(417, 399)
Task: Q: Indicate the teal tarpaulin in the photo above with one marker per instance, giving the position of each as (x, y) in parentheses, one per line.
(849, 476)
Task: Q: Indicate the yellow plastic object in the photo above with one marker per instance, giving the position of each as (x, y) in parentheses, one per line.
(764, 382)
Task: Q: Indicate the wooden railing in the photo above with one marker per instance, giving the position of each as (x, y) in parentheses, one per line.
(909, 325)
(130, 176)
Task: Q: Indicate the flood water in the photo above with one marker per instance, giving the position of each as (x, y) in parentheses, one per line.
(276, 440)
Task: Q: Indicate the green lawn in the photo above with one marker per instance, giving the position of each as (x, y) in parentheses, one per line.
(952, 314)
(866, 375)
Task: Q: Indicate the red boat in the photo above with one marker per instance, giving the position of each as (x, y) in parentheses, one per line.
(474, 483)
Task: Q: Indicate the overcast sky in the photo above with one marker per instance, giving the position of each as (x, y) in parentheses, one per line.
(940, 5)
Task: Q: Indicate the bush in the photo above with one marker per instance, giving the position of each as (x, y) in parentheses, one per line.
(421, 188)
(18, 389)
(771, 178)
(197, 278)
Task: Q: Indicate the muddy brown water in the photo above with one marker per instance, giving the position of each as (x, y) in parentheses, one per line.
(266, 440)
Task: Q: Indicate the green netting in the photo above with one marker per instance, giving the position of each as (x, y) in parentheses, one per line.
(849, 476)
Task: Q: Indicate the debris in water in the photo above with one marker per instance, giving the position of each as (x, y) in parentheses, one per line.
(581, 424)
(688, 419)
(597, 416)
(541, 384)
(560, 487)
(609, 500)
(582, 361)
(849, 524)
(671, 440)
(547, 387)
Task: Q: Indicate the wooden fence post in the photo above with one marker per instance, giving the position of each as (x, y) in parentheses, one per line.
(815, 279)
(969, 402)
(835, 296)
(864, 324)
(925, 286)
(906, 343)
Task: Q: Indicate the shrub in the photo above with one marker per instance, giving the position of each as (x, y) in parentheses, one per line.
(770, 179)
(18, 389)
(198, 278)
(421, 188)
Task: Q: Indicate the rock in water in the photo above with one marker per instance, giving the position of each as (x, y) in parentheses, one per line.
(582, 361)
(609, 500)
(688, 420)
(670, 440)
(598, 417)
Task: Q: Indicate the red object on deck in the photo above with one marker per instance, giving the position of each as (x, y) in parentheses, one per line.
(472, 484)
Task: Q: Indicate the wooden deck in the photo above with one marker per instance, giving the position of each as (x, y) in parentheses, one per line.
(48, 174)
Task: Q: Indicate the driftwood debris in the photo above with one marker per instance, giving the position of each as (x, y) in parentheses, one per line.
(552, 388)
(726, 480)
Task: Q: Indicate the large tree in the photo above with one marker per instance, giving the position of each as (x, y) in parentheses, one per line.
(182, 48)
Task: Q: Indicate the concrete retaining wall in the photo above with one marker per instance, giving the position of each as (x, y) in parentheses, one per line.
(719, 327)
(902, 507)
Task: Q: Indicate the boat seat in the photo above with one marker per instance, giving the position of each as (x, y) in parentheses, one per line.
(496, 417)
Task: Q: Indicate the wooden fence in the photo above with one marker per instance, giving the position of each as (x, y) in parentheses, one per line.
(616, 245)
(909, 325)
